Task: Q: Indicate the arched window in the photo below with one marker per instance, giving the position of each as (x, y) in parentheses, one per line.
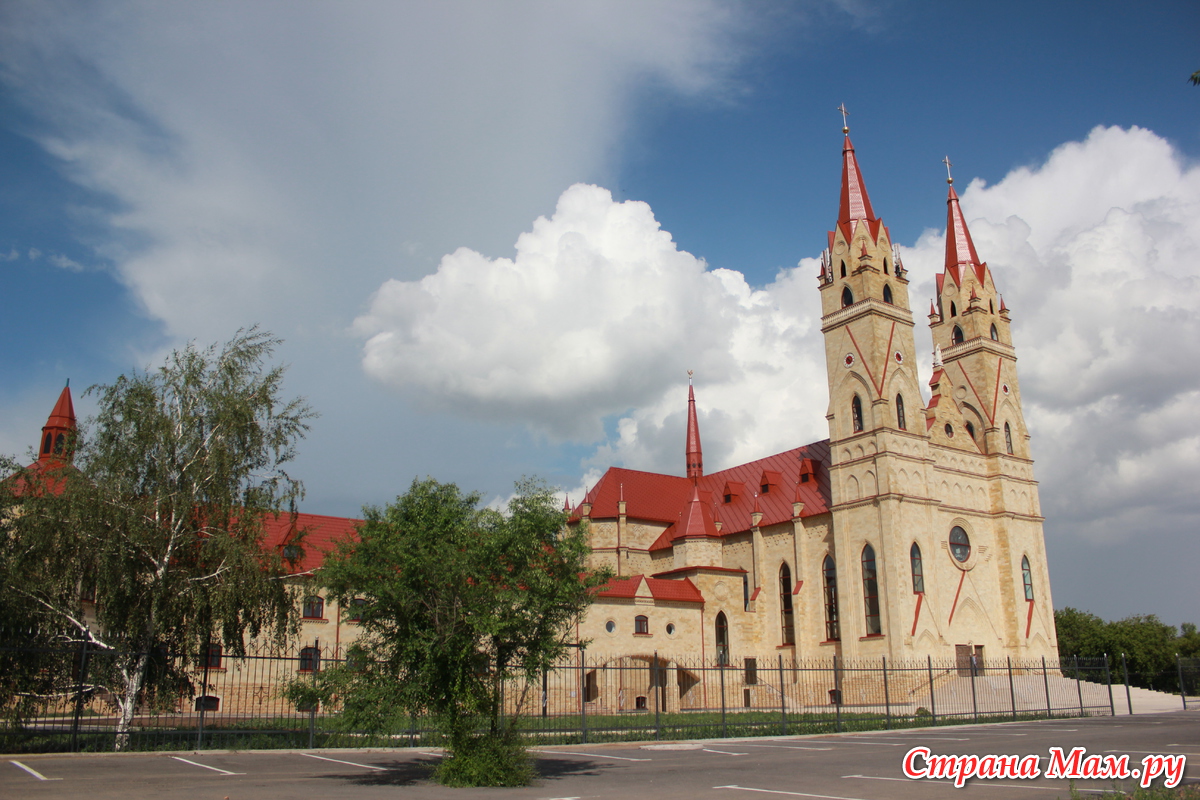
(314, 607)
(995, 334)
(211, 656)
(970, 426)
(856, 416)
(641, 624)
(1008, 438)
(60, 443)
(847, 297)
(831, 600)
(953, 309)
(887, 295)
(785, 604)
(745, 592)
(901, 420)
(722, 630)
(49, 443)
(357, 605)
(958, 335)
(843, 269)
(870, 591)
(885, 268)
(960, 544)
(918, 569)
(1027, 577)
(991, 310)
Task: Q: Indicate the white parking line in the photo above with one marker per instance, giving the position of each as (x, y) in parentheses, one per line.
(33, 772)
(784, 746)
(724, 752)
(350, 763)
(989, 784)
(928, 738)
(206, 766)
(793, 794)
(589, 755)
(873, 744)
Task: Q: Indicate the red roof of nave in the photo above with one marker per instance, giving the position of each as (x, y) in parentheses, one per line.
(680, 591)
(662, 498)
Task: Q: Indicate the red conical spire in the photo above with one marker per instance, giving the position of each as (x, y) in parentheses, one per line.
(960, 250)
(59, 427)
(855, 204)
(694, 456)
(696, 519)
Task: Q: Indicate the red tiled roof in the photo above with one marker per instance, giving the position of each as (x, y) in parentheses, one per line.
(680, 591)
(321, 535)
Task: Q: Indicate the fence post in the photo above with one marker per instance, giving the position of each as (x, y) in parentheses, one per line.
(1046, 683)
(312, 709)
(1125, 674)
(654, 687)
(974, 701)
(582, 704)
(837, 685)
(932, 702)
(887, 702)
(1112, 709)
(782, 697)
(83, 667)
(1078, 685)
(724, 723)
(204, 695)
(1182, 693)
(1012, 690)
(545, 699)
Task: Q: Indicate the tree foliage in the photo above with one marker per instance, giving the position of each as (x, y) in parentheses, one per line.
(1149, 645)
(161, 518)
(455, 600)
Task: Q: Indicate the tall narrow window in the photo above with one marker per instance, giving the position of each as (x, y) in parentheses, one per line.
(856, 413)
(1027, 577)
(641, 625)
(995, 334)
(918, 569)
(832, 633)
(970, 429)
(60, 443)
(901, 420)
(1008, 438)
(953, 309)
(843, 269)
(49, 443)
(958, 335)
(847, 297)
(870, 591)
(722, 629)
(785, 604)
(887, 295)
(885, 269)
(745, 592)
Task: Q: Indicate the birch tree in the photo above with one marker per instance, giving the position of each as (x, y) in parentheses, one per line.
(162, 518)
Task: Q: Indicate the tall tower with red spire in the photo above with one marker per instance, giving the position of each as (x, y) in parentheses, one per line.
(693, 454)
(59, 430)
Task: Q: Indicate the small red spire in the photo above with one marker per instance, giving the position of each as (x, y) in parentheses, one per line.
(932, 309)
(1002, 306)
(567, 503)
(960, 250)
(59, 427)
(694, 455)
(855, 204)
(697, 518)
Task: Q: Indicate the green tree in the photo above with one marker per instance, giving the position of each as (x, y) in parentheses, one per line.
(162, 514)
(1080, 633)
(455, 600)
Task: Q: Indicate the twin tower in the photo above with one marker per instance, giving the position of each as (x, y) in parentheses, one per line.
(913, 531)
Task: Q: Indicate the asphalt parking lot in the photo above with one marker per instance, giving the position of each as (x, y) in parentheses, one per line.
(864, 766)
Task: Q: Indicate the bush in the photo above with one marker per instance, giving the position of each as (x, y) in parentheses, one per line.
(487, 760)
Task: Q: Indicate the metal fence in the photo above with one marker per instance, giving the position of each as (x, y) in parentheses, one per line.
(238, 702)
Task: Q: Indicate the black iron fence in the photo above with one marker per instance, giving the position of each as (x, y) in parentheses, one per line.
(68, 702)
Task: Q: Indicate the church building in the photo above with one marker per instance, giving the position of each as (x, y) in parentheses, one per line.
(914, 530)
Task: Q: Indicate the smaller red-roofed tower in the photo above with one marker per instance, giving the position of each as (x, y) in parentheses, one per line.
(59, 430)
(694, 455)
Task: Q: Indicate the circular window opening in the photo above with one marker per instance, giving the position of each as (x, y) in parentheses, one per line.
(949, 430)
(610, 626)
(670, 629)
(960, 544)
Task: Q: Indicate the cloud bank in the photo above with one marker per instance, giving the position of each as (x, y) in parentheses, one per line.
(599, 314)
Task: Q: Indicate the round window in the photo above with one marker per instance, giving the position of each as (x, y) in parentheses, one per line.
(670, 629)
(610, 626)
(960, 544)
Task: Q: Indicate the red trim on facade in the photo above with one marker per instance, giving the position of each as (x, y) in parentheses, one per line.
(1029, 619)
(858, 350)
(961, 578)
(799, 586)
(996, 390)
(963, 370)
(917, 615)
(887, 360)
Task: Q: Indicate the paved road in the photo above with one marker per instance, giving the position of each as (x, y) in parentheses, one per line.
(863, 766)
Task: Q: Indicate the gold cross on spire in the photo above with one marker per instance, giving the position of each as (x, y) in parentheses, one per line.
(845, 113)
(946, 161)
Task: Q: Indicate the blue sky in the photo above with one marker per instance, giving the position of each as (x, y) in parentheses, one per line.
(172, 172)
